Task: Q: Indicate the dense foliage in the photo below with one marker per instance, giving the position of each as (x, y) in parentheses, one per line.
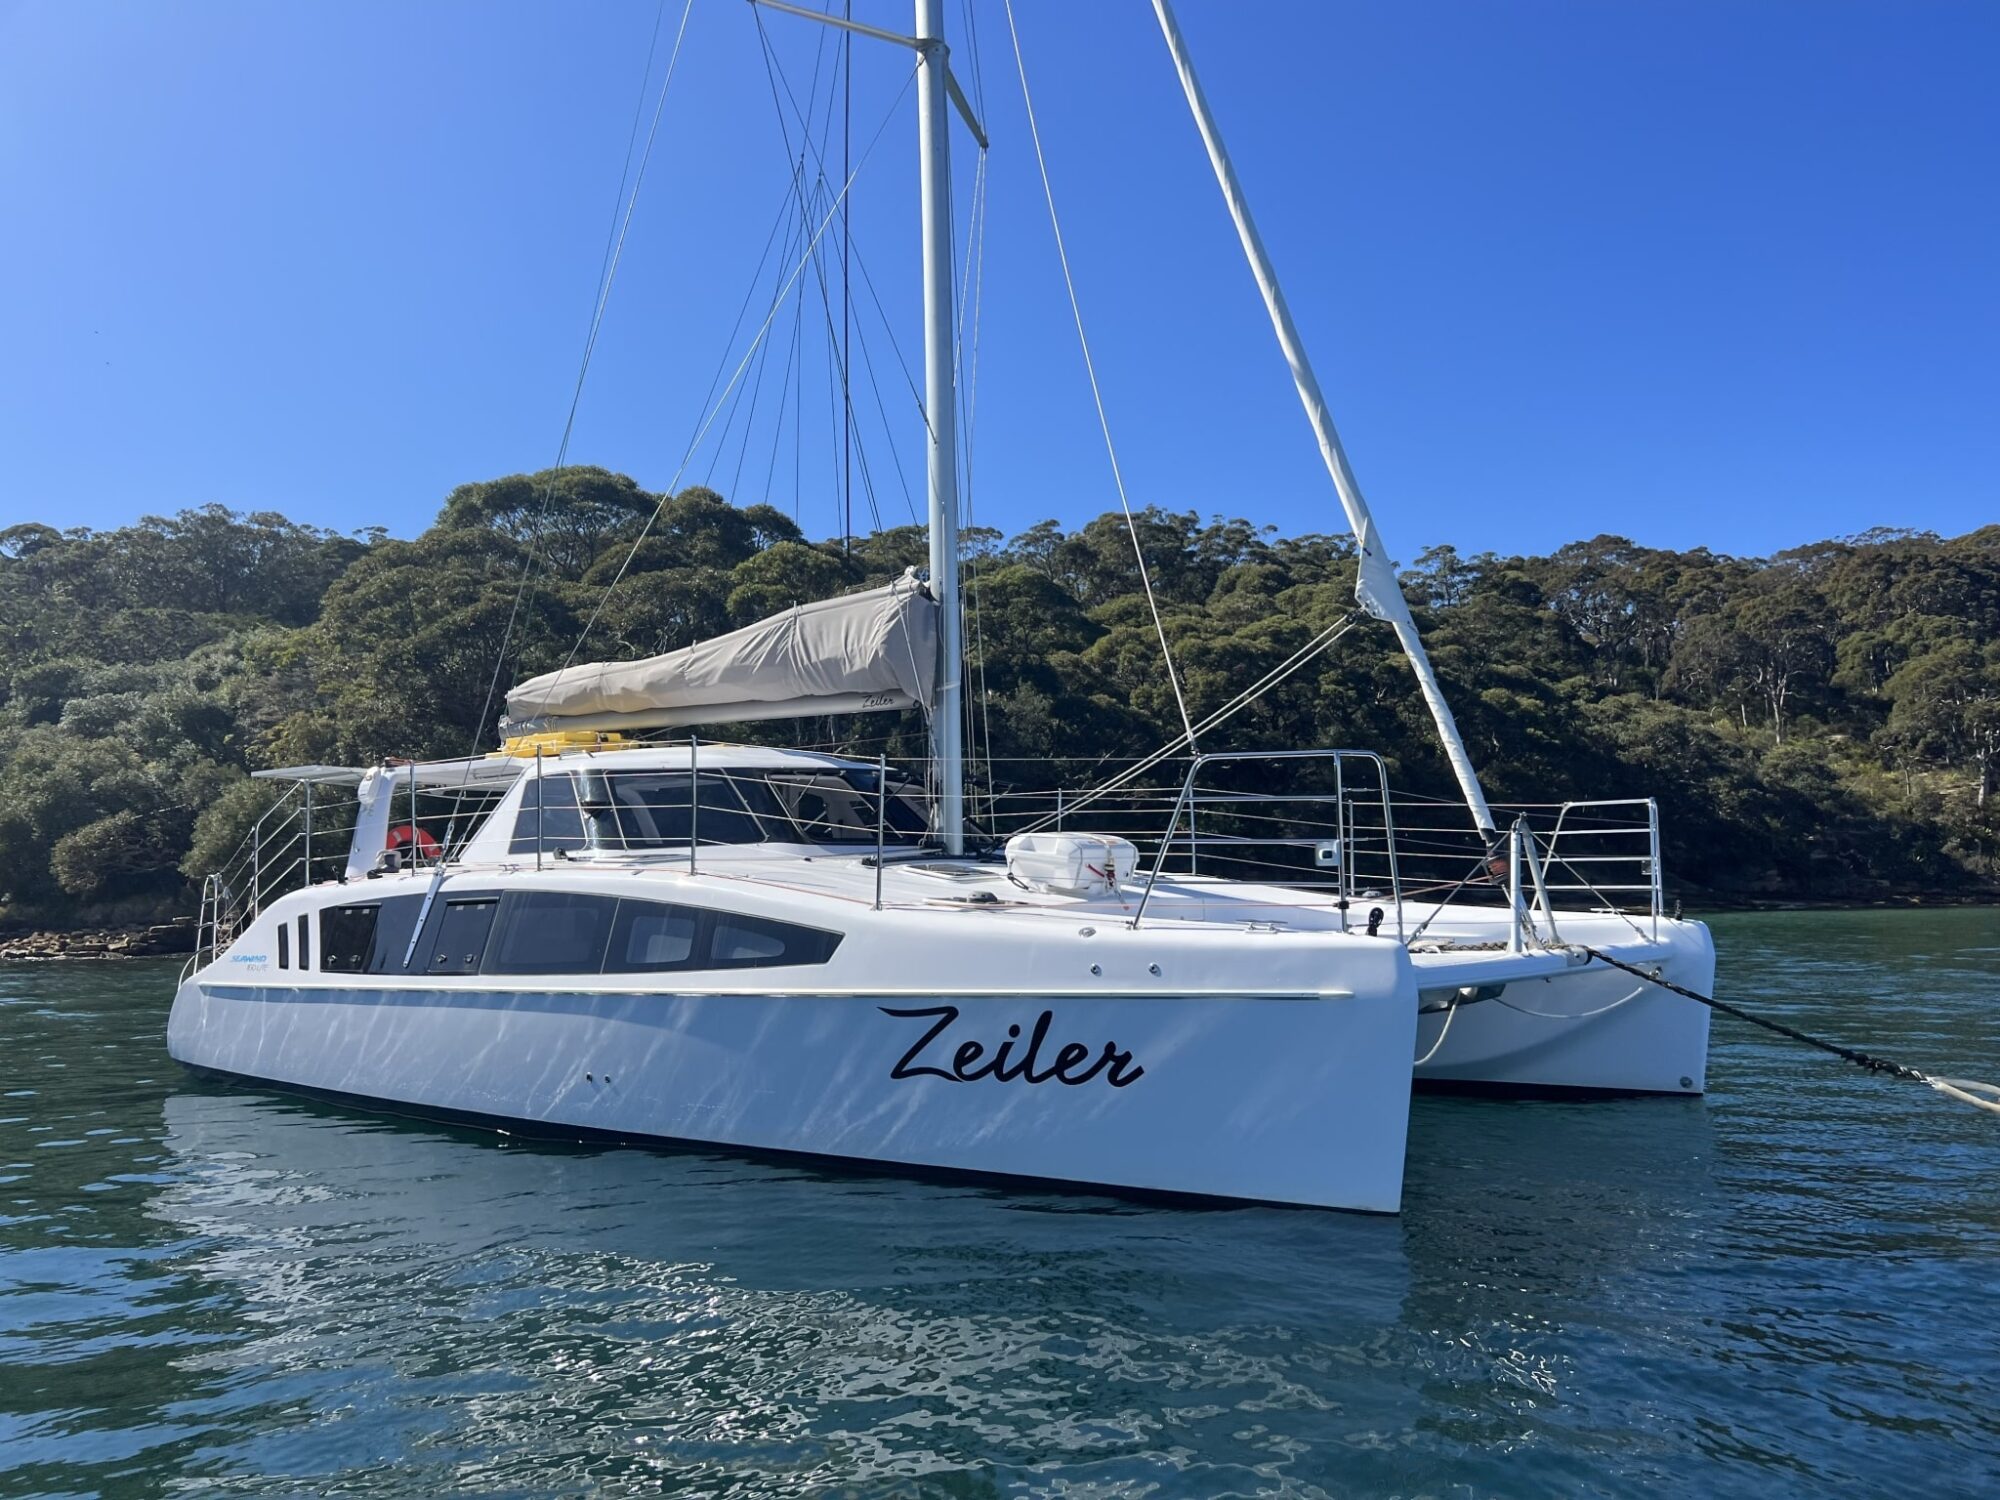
(1820, 724)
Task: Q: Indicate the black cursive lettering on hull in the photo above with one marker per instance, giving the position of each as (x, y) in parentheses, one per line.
(970, 1061)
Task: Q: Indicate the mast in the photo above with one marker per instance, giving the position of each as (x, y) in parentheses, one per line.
(1375, 587)
(934, 154)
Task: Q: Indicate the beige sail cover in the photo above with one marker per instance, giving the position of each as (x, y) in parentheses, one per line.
(871, 650)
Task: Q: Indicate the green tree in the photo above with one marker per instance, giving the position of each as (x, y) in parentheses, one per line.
(1947, 705)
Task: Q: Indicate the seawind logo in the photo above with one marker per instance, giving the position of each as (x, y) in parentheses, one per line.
(249, 958)
(970, 1062)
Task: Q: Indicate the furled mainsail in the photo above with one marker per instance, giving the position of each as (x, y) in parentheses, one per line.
(855, 653)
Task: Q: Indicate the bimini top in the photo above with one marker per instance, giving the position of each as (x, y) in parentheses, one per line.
(859, 652)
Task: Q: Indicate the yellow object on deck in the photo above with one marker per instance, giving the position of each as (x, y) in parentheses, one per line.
(556, 741)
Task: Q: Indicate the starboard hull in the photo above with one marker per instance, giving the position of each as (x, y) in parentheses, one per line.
(1300, 1100)
(1592, 1030)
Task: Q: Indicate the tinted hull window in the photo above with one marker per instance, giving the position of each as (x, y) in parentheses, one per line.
(367, 938)
(550, 932)
(651, 936)
(393, 931)
(738, 942)
(560, 932)
(456, 939)
(346, 933)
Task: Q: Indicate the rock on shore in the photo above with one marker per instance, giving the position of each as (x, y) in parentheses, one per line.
(176, 936)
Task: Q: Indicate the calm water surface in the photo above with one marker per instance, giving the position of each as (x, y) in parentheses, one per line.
(1791, 1286)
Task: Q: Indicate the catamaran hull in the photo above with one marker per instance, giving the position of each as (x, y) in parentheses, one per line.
(1282, 1100)
(1590, 1029)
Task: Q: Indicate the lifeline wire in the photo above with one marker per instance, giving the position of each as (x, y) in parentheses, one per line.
(1964, 1089)
(1090, 369)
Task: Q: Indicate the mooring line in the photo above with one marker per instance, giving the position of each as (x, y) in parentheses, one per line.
(1964, 1089)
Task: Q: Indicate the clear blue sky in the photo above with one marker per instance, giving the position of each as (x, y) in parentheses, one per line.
(1702, 273)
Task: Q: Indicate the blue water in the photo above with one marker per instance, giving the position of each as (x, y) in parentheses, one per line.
(1790, 1287)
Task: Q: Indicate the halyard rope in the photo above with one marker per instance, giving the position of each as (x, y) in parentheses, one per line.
(1964, 1089)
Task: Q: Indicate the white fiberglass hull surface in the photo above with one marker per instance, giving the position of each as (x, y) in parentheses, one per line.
(1585, 1028)
(1291, 1100)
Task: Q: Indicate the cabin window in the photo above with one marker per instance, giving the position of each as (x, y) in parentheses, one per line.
(739, 805)
(457, 936)
(346, 934)
(842, 807)
(550, 932)
(650, 936)
(738, 942)
(305, 953)
(652, 809)
(548, 803)
(369, 938)
(284, 946)
(558, 932)
(394, 931)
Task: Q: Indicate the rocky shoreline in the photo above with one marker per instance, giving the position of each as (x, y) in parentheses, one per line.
(162, 938)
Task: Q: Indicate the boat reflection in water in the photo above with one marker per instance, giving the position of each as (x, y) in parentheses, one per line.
(568, 1312)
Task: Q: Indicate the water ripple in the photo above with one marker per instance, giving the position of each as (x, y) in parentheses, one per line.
(1788, 1287)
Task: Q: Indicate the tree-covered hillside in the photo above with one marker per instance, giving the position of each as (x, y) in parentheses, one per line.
(1822, 724)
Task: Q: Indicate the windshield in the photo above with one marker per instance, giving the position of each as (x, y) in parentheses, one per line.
(658, 809)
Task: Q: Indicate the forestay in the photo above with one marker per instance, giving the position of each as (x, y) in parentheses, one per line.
(855, 653)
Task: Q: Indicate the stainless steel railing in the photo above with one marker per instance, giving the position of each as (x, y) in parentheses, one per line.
(1341, 854)
(304, 836)
(1322, 820)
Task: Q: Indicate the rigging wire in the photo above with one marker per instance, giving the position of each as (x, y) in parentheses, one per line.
(972, 53)
(972, 649)
(757, 340)
(631, 144)
(1241, 701)
(975, 274)
(775, 75)
(819, 163)
(754, 388)
(794, 363)
(792, 344)
(781, 222)
(608, 272)
(846, 291)
(1096, 395)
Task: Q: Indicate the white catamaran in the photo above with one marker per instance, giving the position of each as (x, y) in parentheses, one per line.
(804, 953)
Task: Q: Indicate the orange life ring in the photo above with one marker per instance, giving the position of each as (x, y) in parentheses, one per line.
(427, 846)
